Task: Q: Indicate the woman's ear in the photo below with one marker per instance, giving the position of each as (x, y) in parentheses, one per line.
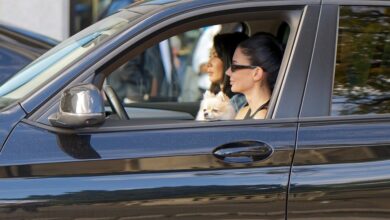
(258, 73)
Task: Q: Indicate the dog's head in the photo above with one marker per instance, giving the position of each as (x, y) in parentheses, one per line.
(217, 107)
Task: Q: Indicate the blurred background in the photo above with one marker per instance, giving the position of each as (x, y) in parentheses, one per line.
(57, 19)
(30, 28)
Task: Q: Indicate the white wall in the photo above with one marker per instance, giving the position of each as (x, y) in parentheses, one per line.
(47, 17)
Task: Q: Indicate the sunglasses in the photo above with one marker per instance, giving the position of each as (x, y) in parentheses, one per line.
(235, 67)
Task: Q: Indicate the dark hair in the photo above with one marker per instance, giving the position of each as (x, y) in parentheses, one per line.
(265, 51)
(225, 45)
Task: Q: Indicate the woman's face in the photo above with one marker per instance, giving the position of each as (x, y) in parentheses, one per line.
(241, 79)
(215, 67)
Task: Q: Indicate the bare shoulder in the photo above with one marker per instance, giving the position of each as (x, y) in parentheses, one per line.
(241, 113)
(261, 114)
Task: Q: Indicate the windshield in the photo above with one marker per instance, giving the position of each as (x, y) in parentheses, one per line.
(42, 70)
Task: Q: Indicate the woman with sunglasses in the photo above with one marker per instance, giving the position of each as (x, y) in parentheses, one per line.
(253, 72)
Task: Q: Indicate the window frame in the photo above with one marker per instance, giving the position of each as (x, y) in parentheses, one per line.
(129, 53)
(320, 81)
(306, 20)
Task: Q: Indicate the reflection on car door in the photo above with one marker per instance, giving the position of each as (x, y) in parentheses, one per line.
(139, 171)
(341, 170)
(144, 174)
(341, 165)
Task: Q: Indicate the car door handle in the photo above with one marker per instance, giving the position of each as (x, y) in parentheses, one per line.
(243, 152)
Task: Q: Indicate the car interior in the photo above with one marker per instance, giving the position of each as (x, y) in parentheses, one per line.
(157, 96)
(154, 98)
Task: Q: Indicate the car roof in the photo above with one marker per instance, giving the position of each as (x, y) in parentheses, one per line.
(27, 37)
(161, 6)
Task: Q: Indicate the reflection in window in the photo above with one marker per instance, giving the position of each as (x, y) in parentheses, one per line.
(9, 57)
(11, 62)
(362, 76)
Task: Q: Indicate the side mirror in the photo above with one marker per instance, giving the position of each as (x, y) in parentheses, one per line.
(80, 106)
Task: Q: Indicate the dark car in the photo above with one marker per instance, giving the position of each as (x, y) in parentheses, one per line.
(323, 152)
(19, 47)
(114, 6)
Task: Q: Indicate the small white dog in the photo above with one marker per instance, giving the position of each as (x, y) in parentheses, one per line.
(215, 107)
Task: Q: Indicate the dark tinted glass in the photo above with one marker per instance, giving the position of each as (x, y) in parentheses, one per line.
(10, 63)
(362, 76)
(9, 57)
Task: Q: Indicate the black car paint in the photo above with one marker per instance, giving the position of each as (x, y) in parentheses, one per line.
(172, 174)
(341, 169)
(8, 120)
(339, 166)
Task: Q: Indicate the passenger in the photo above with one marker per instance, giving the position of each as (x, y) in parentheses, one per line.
(253, 72)
(220, 59)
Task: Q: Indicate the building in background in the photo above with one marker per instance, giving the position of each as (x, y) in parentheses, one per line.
(56, 19)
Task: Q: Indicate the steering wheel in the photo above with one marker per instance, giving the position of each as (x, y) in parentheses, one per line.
(114, 102)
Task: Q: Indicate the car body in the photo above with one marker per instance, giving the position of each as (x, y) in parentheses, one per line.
(322, 153)
(114, 6)
(19, 47)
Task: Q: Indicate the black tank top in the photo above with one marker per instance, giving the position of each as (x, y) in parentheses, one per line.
(248, 113)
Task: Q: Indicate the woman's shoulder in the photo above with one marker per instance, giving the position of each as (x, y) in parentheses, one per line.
(261, 114)
(242, 112)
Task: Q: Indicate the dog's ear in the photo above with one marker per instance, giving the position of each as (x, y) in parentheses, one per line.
(208, 94)
(222, 96)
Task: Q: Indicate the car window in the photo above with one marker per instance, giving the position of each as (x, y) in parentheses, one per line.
(10, 62)
(164, 72)
(51, 63)
(169, 79)
(9, 57)
(362, 73)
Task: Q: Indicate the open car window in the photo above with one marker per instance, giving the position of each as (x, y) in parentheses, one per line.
(160, 79)
(168, 79)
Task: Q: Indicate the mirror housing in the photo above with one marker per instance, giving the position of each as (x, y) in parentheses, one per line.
(80, 106)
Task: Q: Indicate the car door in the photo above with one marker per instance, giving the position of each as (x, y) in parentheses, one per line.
(165, 170)
(341, 165)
